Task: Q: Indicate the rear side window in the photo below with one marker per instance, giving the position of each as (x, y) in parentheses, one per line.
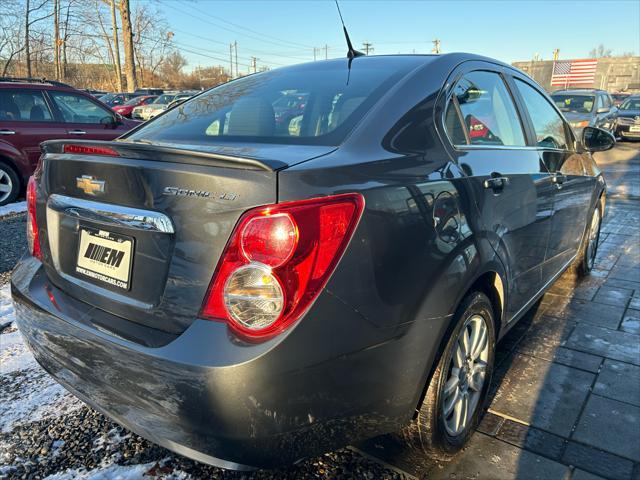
(547, 123)
(488, 113)
(24, 105)
(310, 105)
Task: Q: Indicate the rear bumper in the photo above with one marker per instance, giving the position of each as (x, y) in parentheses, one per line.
(209, 398)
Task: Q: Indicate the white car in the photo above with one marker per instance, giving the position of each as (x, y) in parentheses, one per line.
(161, 104)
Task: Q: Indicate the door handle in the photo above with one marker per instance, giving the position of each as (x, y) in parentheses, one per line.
(496, 183)
(5, 131)
(76, 132)
(559, 179)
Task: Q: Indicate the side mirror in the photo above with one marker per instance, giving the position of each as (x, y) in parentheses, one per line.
(603, 110)
(597, 140)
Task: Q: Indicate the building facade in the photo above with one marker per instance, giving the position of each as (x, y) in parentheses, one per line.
(614, 74)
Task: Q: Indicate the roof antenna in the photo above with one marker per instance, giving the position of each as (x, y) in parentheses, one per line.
(352, 53)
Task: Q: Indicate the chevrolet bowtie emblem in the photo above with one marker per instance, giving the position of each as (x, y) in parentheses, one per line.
(90, 185)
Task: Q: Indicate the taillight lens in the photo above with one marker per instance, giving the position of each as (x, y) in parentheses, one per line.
(33, 235)
(277, 261)
(90, 150)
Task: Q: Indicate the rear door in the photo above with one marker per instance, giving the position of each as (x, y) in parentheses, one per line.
(26, 120)
(573, 187)
(83, 117)
(512, 186)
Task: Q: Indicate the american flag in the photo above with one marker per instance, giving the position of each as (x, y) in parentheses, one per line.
(574, 72)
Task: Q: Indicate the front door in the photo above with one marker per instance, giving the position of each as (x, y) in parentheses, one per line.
(512, 187)
(572, 187)
(83, 117)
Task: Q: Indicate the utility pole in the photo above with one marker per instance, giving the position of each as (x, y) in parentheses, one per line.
(254, 64)
(436, 46)
(127, 33)
(367, 47)
(230, 61)
(314, 54)
(326, 51)
(235, 48)
(116, 45)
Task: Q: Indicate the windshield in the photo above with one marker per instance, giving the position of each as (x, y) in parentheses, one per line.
(574, 103)
(107, 98)
(164, 99)
(632, 103)
(312, 104)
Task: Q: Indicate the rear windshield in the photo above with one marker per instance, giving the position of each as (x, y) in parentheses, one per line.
(311, 104)
(574, 103)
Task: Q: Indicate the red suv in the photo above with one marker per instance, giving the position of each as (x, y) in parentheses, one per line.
(32, 111)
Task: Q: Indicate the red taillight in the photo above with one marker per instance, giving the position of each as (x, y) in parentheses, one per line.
(33, 235)
(90, 150)
(277, 261)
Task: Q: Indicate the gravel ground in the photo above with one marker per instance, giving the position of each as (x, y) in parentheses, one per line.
(14, 243)
(46, 433)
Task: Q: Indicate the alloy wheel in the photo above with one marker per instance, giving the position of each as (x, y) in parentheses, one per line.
(463, 388)
(592, 240)
(6, 185)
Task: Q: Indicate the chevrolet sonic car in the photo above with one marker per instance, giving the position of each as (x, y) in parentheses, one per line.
(248, 292)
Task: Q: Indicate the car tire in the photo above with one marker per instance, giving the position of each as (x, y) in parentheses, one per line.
(9, 184)
(438, 429)
(585, 260)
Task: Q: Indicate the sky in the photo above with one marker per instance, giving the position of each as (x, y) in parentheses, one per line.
(280, 33)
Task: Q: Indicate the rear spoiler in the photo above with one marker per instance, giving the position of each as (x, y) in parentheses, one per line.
(191, 154)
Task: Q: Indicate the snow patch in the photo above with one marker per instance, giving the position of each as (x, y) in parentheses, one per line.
(121, 472)
(7, 314)
(13, 208)
(28, 393)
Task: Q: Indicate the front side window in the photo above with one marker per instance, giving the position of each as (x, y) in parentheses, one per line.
(631, 103)
(24, 106)
(547, 123)
(78, 109)
(307, 104)
(488, 113)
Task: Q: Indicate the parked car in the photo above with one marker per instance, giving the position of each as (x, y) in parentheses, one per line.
(127, 108)
(619, 98)
(180, 98)
(250, 296)
(586, 107)
(149, 91)
(115, 99)
(627, 123)
(95, 93)
(160, 104)
(32, 111)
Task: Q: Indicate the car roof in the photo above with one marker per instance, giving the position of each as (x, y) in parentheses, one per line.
(580, 90)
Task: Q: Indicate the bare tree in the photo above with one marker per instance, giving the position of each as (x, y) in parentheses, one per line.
(152, 42)
(30, 10)
(116, 45)
(127, 34)
(600, 52)
(10, 25)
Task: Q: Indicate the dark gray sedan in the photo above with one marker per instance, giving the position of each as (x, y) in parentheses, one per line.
(249, 292)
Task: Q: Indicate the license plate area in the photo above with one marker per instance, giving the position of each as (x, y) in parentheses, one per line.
(105, 257)
(634, 128)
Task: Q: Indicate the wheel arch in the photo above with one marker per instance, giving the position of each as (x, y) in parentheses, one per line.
(491, 280)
